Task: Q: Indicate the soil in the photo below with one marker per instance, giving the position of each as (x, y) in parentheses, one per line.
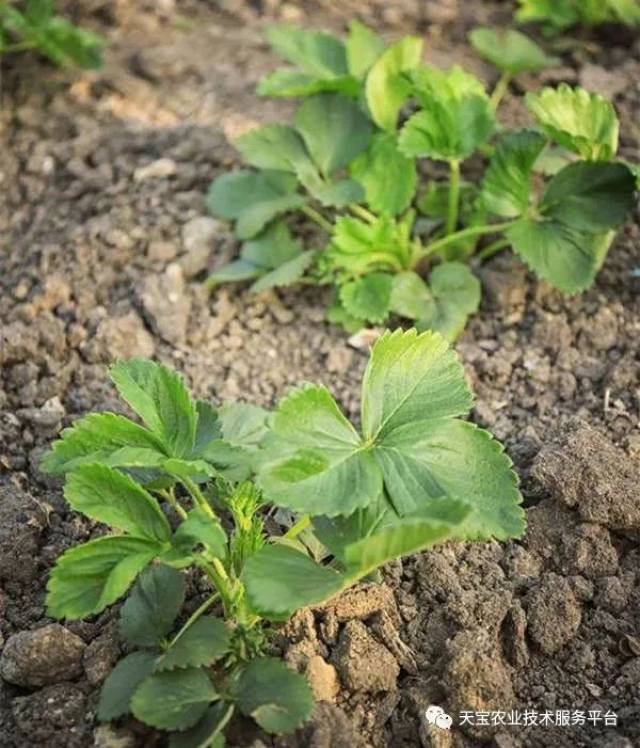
(105, 243)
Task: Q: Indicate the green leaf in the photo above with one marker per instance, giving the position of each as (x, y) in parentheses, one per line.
(203, 643)
(506, 188)
(387, 87)
(410, 296)
(208, 731)
(557, 15)
(577, 120)
(456, 295)
(95, 438)
(387, 175)
(106, 495)
(153, 605)
(121, 682)
(592, 197)
(324, 469)
(334, 130)
(279, 699)
(275, 147)
(198, 528)
(565, 257)
(510, 51)
(456, 118)
(439, 520)
(159, 396)
(89, 577)
(430, 459)
(291, 83)
(174, 699)
(338, 315)
(368, 297)
(337, 194)
(287, 274)
(363, 48)
(314, 52)
(253, 198)
(411, 378)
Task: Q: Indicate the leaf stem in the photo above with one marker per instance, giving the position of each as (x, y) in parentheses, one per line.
(500, 90)
(194, 617)
(170, 498)
(493, 248)
(297, 527)
(454, 196)
(468, 233)
(197, 495)
(317, 217)
(17, 47)
(363, 213)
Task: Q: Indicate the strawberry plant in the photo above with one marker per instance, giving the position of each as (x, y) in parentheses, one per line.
(558, 15)
(34, 25)
(369, 115)
(190, 487)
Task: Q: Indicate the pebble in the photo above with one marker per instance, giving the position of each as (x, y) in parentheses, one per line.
(159, 169)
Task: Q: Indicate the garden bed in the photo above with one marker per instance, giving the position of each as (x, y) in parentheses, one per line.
(107, 242)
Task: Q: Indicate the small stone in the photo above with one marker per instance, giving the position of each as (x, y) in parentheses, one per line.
(322, 678)
(161, 251)
(198, 236)
(159, 169)
(37, 658)
(100, 657)
(554, 614)
(166, 304)
(125, 336)
(608, 83)
(362, 662)
(107, 736)
(339, 359)
(48, 416)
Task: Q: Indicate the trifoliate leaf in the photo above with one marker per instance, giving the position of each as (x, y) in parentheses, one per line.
(314, 52)
(203, 643)
(173, 700)
(253, 198)
(506, 188)
(275, 147)
(324, 469)
(456, 118)
(387, 88)
(159, 396)
(410, 296)
(107, 495)
(279, 699)
(411, 378)
(388, 176)
(89, 577)
(121, 682)
(368, 297)
(577, 120)
(200, 528)
(208, 731)
(279, 580)
(286, 274)
(592, 197)
(153, 605)
(456, 295)
(94, 438)
(511, 51)
(291, 83)
(334, 130)
(363, 47)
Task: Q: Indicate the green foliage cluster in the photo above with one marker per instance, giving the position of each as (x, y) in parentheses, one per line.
(34, 25)
(558, 15)
(189, 487)
(349, 161)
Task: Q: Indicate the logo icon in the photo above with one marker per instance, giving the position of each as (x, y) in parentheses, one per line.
(436, 715)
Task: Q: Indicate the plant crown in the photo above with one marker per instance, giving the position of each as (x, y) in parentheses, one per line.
(189, 488)
(369, 114)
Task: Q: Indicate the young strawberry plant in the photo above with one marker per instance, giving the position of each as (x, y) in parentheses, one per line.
(190, 486)
(349, 162)
(557, 16)
(34, 25)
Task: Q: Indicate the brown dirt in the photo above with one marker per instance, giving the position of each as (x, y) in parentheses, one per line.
(101, 183)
